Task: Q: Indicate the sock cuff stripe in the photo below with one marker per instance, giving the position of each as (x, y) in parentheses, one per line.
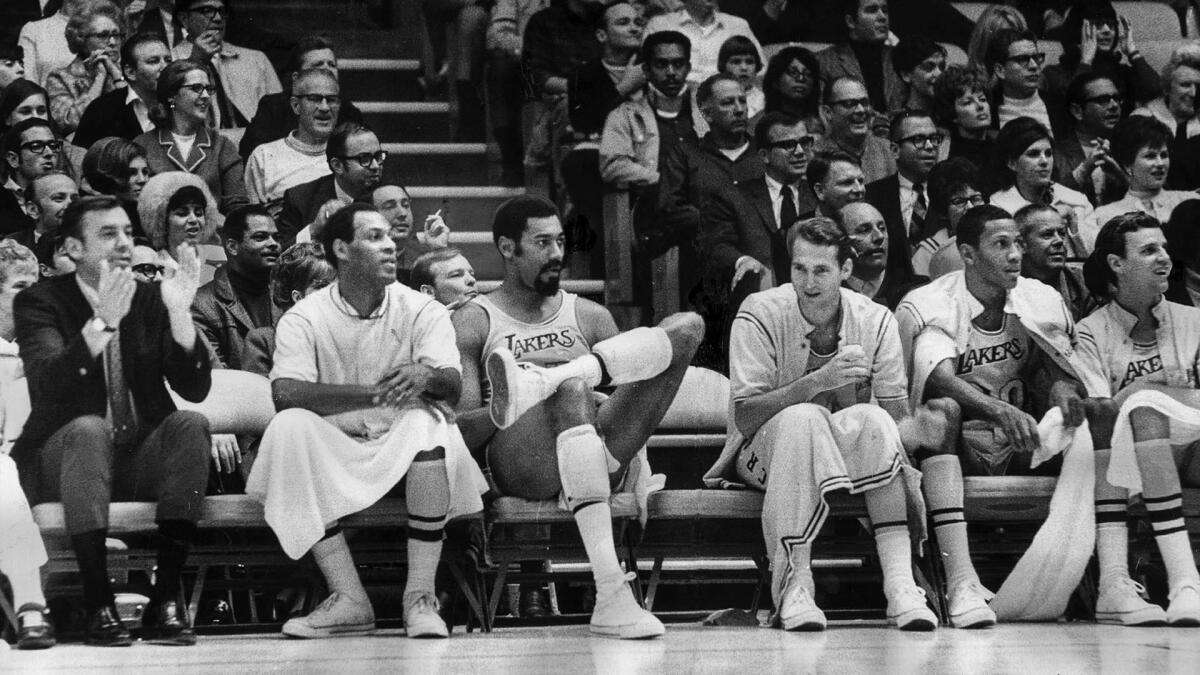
(579, 507)
(941, 523)
(433, 455)
(1162, 515)
(427, 519)
(425, 535)
(888, 524)
(1114, 502)
(1160, 500)
(1173, 530)
(1110, 517)
(937, 512)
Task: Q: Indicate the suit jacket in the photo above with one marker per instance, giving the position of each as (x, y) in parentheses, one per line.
(108, 115)
(591, 96)
(67, 382)
(223, 321)
(300, 206)
(12, 216)
(840, 61)
(741, 222)
(212, 158)
(246, 75)
(275, 119)
(884, 195)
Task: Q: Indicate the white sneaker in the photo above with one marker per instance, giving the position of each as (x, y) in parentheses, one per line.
(618, 615)
(337, 615)
(908, 610)
(1184, 609)
(421, 618)
(797, 609)
(969, 606)
(515, 387)
(1123, 603)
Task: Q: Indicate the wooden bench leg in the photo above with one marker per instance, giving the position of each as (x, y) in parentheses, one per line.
(469, 593)
(197, 590)
(764, 582)
(498, 587)
(652, 587)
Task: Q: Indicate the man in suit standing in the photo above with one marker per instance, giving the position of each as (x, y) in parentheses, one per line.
(356, 159)
(98, 349)
(125, 111)
(903, 197)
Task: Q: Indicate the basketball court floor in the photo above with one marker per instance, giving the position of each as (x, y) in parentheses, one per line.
(847, 647)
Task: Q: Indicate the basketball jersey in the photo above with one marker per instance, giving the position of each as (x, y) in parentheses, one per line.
(994, 361)
(554, 341)
(1144, 363)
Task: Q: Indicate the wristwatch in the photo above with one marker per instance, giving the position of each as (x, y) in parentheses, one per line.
(100, 324)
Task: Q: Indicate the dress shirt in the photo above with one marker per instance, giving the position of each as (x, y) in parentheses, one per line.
(706, 40)
(140, 110)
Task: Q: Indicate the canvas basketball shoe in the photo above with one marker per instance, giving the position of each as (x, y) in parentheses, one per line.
(969, 606)
(1123, 603)
(338, 615)
(515, 387)
(908, 610)
(1184, 609)
(797, 609)
(618, 615)
(421, 618)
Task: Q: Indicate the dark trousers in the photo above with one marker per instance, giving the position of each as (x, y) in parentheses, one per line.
(81, 468)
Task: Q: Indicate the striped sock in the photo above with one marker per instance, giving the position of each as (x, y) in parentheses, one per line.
(943, 487)
(1112, 530)
(1164, 505)
(427, 489)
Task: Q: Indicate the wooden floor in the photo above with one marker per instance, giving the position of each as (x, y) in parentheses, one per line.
(848, 647)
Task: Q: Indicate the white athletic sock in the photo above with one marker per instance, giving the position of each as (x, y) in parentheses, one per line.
(332, 555)
(427, 491)
(895, 557)
(887, 508)
(942, 484)
(595, 528)
(635, 355)
(26, 582)
(1112, 530)
(1164, 505)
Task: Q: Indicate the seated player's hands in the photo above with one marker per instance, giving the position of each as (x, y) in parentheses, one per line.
(1018, 425)
(407, 381)
(226, 453)
(748, 265)
(1065, 396)
(437, 232)
(849, 366)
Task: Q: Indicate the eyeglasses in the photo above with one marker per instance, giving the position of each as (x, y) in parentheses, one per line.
(198, 88)
(107, 35)
(791, 144)
(849, 104)
(147, 269)
(920, 140)
(210, 12)
(1105, 100)
(318, 99)
(38, 147)
(365, 158)
(1038, 58)
(975, 199)
(799, 73)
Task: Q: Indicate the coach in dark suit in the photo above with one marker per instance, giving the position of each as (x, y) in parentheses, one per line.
(356, 159)
(903, 197)
(125, 112)
(743, 228)
(97, 346)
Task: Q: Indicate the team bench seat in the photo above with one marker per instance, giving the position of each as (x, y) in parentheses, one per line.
(225, 513)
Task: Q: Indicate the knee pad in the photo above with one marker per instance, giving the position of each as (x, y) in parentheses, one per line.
(635, 355)
(583, 466)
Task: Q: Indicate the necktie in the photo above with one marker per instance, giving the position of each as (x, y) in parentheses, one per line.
(120, 403)
(920, 209)
(229, 115)
(787, 210)
(1181, 131)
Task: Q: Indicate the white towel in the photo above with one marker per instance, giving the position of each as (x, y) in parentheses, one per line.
(1185, 428)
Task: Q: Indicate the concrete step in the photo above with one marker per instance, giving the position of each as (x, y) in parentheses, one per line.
(380, 79)
(458, 164)
(408, 122)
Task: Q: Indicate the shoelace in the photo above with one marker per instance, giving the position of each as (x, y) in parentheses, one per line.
(326, 604)
(974, 585)
(427, 600)
(1137, 588)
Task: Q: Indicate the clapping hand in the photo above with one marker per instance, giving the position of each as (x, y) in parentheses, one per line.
(181, 278)
(116, 290)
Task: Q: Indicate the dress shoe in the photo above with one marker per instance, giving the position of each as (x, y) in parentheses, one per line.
(34, 629)
(535, 602)
(105, 629)
(167, 623)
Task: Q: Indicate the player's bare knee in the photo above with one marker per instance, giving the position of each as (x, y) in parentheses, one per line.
(573, 404)
(1148, 424)
(686, 332)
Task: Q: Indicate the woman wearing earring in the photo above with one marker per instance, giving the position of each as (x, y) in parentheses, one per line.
(183, 140)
